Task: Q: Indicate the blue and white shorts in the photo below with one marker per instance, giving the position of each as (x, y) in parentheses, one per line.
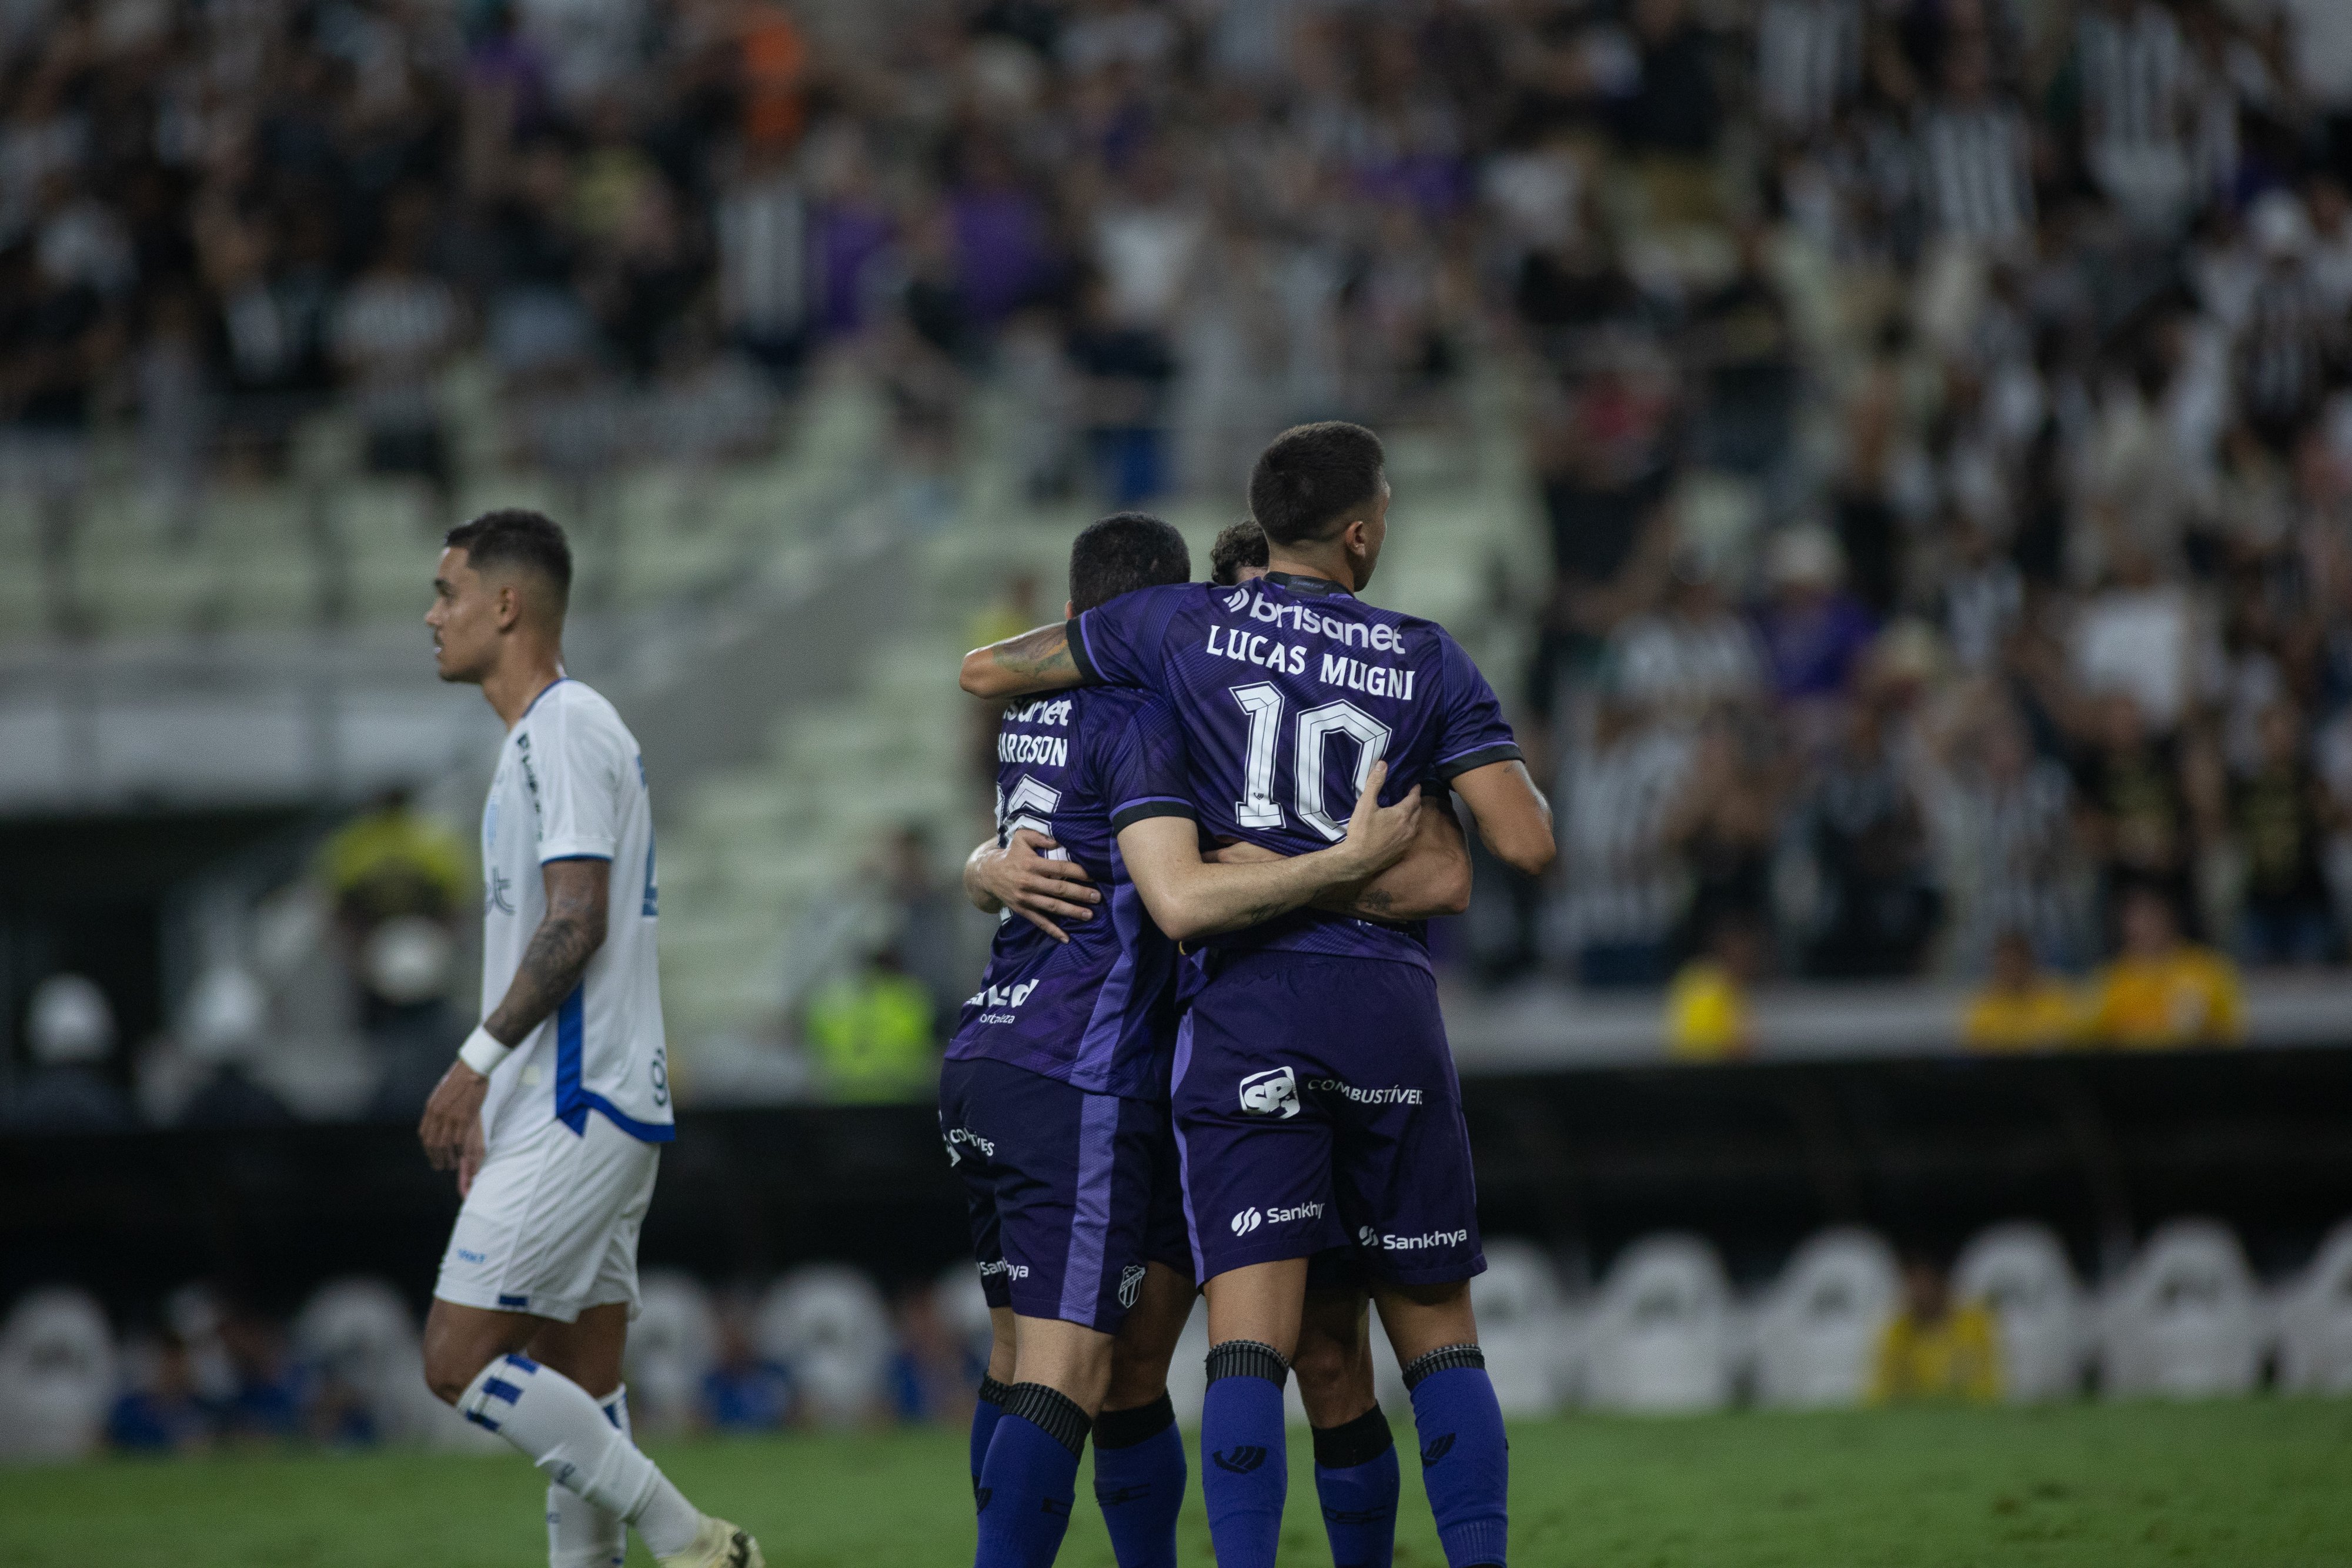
(550, 1226)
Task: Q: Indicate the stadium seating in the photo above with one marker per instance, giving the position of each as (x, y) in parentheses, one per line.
(673, 1345)
(2313, 1314)
(1530, 1336)
(829, 1328)
(1662, 1337)
(2185, 1321)
(56, 1376)
(359, 1335)
(2021, 1270)
(963, 1306)
(1818, 1326)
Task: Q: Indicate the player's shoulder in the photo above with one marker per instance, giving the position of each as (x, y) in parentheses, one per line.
(1106, 714)
(581, 712)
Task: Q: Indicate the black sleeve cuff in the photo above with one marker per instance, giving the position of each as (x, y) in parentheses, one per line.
(1127, 815)
(1502, 751)
(1086, 676)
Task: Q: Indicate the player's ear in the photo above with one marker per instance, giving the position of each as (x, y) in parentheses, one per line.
(1069, 610)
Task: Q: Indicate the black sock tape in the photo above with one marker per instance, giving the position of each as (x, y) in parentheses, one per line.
(994, 1392)
(1444, 1358)
(1248, 1358)
(1353, 1443)
(1126, 1428)
(1051, 1411)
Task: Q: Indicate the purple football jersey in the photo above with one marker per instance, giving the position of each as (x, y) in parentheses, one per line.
(1097, 1012)
(1289, 688)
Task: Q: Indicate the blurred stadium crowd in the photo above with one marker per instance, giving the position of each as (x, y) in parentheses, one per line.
(1939, 423)
(1845, 1322)
(1938, 406)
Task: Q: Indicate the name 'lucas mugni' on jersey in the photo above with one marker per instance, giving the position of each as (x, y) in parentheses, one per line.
(1337, 670)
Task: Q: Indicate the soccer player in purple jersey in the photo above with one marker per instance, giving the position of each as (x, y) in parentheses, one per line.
(1314, 1097)
(1053, 1100)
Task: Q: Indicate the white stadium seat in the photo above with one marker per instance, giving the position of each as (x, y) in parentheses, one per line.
(1526, 1328)
(2185, 1321)
(2039, 1311)
(963, 1306)
(58, 1375)
(360, 1334)
(830, 1329)
(672, 1347)
(2315, 1321)
(1661, 1334)
(1817, 1328)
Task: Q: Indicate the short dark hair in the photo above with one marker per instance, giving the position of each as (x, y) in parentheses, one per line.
(1310, 476)
(1123, 552)
(514, 536)
(1241, 545)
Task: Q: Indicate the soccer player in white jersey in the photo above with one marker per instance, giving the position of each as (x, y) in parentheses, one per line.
(555, 1110)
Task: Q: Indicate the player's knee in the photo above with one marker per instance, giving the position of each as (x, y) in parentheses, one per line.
(450, 1374)
(1135, 1379)
(1335, 1379)
(453, 1358)
(1320, 1362)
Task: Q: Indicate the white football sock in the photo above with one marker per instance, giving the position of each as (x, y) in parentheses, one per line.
(579, 1533)
(551, 1419)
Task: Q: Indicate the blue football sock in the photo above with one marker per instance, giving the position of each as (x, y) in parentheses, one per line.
(1139, 1482)
(1465, 1464)
(992, 1396)
(1356, 1480)
(1244, 1466)
(1030, 1479)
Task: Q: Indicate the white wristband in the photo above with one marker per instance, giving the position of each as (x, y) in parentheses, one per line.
(482, 1053)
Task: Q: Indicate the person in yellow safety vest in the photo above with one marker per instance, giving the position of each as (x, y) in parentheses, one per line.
(1935, 1348)
(2023, 1007)
(873, 1035)
(2162, 991)
(1707, 1018)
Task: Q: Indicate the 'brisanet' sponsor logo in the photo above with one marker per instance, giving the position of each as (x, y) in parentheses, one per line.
(1312, 623)
(1272, 1092)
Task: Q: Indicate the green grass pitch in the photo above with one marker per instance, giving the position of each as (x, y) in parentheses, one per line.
(2256, 1484)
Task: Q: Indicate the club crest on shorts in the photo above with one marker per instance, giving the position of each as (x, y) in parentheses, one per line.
(1272, 1092)
(1131, 1284)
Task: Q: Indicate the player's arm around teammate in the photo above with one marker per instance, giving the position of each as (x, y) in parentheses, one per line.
(1431, 879)
(1021, 875)
(1190, 898)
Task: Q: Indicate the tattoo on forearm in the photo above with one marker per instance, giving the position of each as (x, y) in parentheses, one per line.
(1040, 655)
(558, 955)
(1375, 901)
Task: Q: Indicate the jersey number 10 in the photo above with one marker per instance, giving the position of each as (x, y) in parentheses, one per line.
(1263, 702)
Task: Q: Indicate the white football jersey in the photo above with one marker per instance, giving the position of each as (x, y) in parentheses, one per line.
(571, 785)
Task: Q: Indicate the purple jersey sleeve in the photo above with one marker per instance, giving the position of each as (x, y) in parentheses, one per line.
(1147, 772)
(1471, 731)
(1119, 644)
